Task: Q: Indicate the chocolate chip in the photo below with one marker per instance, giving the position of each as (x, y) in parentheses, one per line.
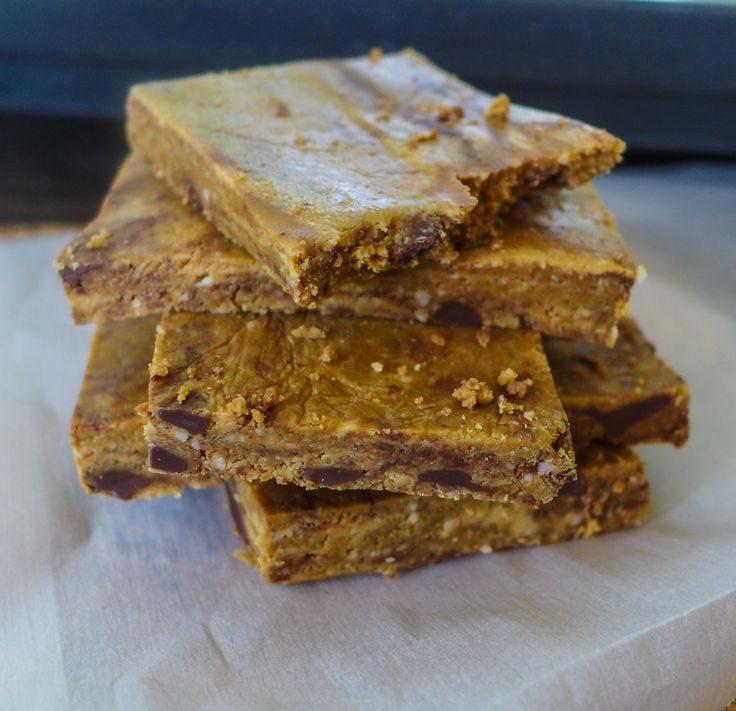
(616, 422)
(331, 476)
(455, 313)
(452, 478)
(194, 424)
(165, 461)
(121, 483)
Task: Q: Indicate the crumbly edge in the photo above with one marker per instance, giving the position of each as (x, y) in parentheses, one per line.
(540, 299)
(304, 275)
(401, 532)
(123, 291)
(498, 193)
(234, 454)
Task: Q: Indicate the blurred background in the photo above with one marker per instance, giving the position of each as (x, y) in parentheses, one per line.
(662, 75)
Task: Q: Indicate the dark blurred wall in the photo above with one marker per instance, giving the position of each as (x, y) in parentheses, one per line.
(661, 75)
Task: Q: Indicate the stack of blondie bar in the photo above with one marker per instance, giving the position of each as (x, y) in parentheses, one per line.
(385, 311)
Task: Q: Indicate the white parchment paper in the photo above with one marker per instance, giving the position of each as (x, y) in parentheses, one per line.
(141, 606)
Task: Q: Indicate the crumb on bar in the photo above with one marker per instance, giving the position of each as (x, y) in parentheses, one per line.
(504, 406)
(506, 376)
(472, 392)
(237, 406)
(98, 240)
(377, 366)
(159, 370)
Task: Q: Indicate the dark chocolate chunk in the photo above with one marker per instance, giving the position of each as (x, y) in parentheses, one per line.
(194, 424)
(451, 478)
(121, 483)
(455, 313)
(165, 461)
(616, 422)
(331, 476)
(73, 277)
(576, 487)
(424, 233)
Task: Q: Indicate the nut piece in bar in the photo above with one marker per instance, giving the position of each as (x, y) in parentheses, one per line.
(623, 395)
(106, 432)
(327, 169)
(559, 266)
(291, 534)
(350, 403)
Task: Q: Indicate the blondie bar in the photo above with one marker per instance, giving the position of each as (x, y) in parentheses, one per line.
(351, 403)
(327, 169)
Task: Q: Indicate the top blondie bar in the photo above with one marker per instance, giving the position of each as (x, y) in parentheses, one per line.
(325, 170)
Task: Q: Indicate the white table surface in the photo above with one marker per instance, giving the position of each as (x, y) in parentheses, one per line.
(141, 605)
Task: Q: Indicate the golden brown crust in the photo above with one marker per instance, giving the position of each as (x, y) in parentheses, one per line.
(559, 266)
(325, 169)
(623, 395)
(293, 535)
(380, 415)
